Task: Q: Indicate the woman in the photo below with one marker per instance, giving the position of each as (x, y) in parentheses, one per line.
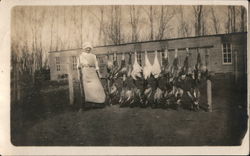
(92, 87)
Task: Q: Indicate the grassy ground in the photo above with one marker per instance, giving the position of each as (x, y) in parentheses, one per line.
(48, 120)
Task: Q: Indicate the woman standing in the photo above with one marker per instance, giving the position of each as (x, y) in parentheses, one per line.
(92, 88)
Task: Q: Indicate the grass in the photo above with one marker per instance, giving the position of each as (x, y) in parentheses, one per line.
(47, 120)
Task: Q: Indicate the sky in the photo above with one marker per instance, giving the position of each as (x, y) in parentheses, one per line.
(53, 28)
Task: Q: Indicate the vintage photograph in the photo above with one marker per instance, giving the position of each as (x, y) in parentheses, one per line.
(128, 75)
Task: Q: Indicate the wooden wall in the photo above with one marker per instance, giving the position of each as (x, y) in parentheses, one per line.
(210, 47)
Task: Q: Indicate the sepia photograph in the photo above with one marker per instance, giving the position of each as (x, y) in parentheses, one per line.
(128, 75)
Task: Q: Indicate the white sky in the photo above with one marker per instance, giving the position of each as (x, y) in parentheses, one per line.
(66, 32)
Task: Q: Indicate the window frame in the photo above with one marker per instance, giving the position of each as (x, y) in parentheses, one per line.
(58, 64)
(74, 62)
(226, 53)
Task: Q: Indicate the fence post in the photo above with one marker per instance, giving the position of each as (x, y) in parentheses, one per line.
(236, 67)
(70, 82)
(209, 95)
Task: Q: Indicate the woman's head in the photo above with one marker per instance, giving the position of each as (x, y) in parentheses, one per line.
(87, 47)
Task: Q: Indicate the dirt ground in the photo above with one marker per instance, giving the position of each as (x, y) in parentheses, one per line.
(49, 121)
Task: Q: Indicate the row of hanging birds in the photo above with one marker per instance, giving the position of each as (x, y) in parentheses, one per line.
(150, 93)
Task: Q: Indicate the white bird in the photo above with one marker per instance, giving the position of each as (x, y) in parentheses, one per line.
(156, 68)
(147, 69)
(137, 69)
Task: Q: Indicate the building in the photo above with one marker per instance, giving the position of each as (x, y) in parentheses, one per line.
(224, 54)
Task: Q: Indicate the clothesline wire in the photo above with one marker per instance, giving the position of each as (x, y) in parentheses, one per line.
(161, 50)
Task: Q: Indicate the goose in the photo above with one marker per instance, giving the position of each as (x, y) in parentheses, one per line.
(156, 71)
(137, 69)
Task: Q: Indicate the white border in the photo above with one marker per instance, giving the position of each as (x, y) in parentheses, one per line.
(6, 148)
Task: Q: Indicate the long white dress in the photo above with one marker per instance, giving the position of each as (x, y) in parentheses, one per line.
(93, 88)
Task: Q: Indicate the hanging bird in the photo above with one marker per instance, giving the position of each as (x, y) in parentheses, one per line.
(169, 96)
(109, 64)
(147, 69)
(124, 78)
(175, 67)
(158, 93)
(126, 95)
(166, 72)
(147, 96)
(123, 64)
(137, 97)
(197, 70)
(127, 92)
(137, 69)
(129, 97)
(113, 93)
(196, 99)
(186, 64)
(165, 64)
(147, 88)
(112, 69)
(116, 67)
(123, 69)
(156, 68)
(178, 78)
(158, 97)
(199, 62)
(129, 65)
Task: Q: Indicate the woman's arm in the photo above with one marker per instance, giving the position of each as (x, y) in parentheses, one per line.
(79, 67)
(97, 68)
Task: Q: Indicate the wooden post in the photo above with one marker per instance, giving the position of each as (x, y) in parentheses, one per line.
(209, 95)
(109, 90)
(83, 102)
(236, 66)
(18, 81)
(70, 82)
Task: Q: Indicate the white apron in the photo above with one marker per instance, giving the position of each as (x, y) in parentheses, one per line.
(93, 88)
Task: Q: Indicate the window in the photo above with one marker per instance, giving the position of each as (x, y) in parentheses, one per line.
(58, 67)
(139, 58)
(227, 53)
(74, 62)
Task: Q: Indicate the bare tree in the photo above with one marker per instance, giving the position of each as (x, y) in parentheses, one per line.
(36, 24)
(77, 32)
(200, 28)
(117, 25)
(101, 28)
(164, 21)
(231, 19)
(150, 11)
(51, 27)
(215, 20)
(134, 21)
(81, 24)
(111, 29)
(242, 19)
(101, 33)
(184, 29)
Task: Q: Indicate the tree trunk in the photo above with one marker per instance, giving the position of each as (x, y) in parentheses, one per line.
(242, 15)
(151, 18)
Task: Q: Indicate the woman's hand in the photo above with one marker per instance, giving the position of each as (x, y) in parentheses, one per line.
(99, 74)
(79, 66)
